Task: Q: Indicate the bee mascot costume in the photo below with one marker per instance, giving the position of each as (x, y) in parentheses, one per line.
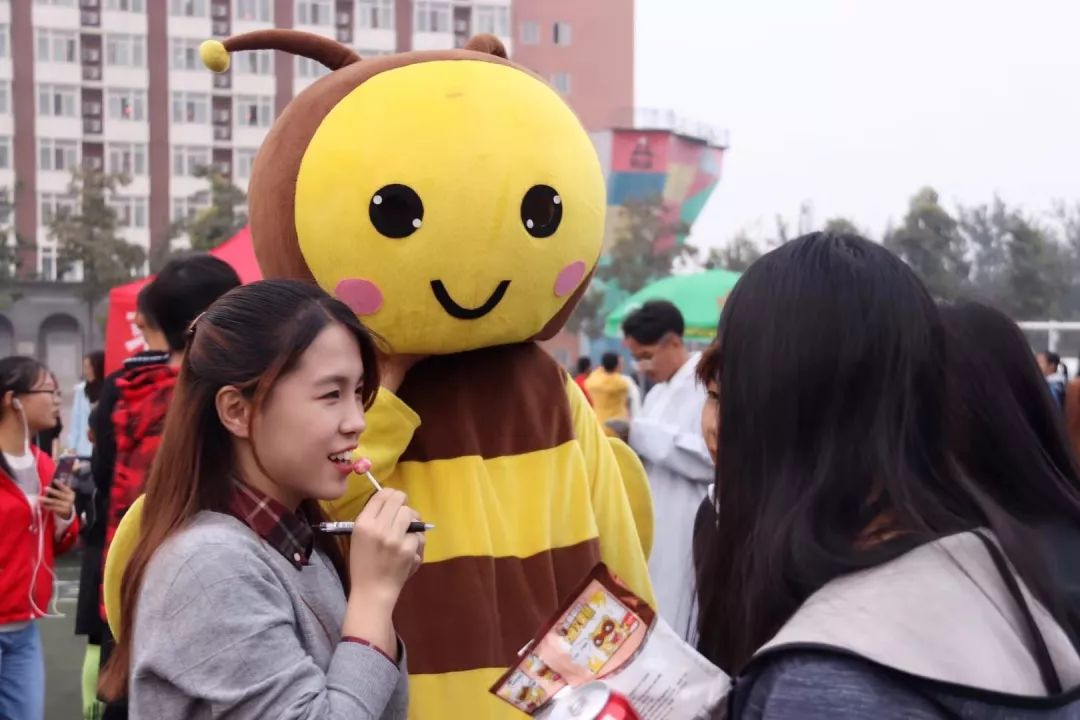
(455, 203)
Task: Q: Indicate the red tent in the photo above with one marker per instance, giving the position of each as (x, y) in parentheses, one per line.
(122, 338)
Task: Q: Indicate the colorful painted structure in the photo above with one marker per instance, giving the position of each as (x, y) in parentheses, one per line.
(656, 153)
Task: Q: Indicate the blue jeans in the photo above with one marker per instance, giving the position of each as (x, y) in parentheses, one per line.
(22, 675)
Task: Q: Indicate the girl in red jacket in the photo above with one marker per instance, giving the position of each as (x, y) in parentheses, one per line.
(37, 520)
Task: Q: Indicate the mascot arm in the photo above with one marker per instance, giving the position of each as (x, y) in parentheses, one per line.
(620, 544)
(390, 427)
(636, 482)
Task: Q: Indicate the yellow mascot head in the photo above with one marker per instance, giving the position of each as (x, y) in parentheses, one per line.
(451, 199)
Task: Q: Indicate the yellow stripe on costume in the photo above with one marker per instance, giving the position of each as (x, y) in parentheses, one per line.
(516, 506)
(459, 695)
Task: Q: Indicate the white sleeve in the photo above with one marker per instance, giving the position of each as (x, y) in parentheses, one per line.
(683, 453)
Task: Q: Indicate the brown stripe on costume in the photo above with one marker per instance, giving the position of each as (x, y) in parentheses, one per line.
(477, 612)
(500, 401)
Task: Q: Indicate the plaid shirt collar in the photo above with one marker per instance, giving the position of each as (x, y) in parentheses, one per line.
(287, 532)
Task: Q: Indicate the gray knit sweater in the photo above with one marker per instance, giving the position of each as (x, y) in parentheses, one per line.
(227, 628)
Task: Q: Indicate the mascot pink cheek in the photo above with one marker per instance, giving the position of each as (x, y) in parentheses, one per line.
(362, 296)
(568, 279)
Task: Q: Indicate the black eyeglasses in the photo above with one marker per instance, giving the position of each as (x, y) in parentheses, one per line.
(55, 393)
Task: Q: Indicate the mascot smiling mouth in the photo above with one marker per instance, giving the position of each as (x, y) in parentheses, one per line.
(463, 313)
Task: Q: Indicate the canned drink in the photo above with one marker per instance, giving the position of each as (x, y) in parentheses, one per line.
(593, 701)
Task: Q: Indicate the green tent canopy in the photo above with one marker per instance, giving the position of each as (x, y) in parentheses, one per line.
(699, 297)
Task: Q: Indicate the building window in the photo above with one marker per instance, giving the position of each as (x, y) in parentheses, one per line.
(254, 110)
(530, 33)
(185, 208)
(127, 158)
(135, 6)
(190, 108)
(313, 12)
(255, 62)
(561, 33)
(561, 82)
(50, 205)
(61, 46)
(130, 211)
(57, 100)
(187, 160)
(244, 159)
(4, 35)
(308, 68)
(376, 14)
(57, 155)
(187, 8)
(46, 255)
(125, 50)
(56, 3)
(430, 16)
(185, 54)
(254, 11)
(5, 98)
(5, 153)
(493, 19)
(127, 104)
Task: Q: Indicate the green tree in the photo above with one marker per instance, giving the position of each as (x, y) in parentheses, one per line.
(88, 236)
(929, 240)
(986, 232)
(842, 226)
(1036, 275)
(13, 246)
(636, 257)
(738, 254)
(219, 221)
(586, 316)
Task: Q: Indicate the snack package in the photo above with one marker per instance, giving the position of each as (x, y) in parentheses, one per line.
(605, 632)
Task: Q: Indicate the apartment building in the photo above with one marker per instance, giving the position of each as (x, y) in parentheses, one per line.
(118, 85)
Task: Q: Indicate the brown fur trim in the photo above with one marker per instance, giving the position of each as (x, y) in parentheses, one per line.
(321, 49)
(486, 43)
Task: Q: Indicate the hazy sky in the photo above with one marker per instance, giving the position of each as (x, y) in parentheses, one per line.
(855, 104)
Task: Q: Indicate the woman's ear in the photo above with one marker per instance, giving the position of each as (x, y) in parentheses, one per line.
(234, 411)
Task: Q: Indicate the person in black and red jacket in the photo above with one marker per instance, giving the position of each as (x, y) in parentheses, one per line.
(131, 413)
(37, 522)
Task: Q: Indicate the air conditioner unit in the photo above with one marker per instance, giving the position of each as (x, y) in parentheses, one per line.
(344, 35)
(91, 108)
(92, 54)
(91, 17)
(92, 72)
(221, 27)
(92, 125)
(220, 11)
(221, 116)
(222, 132)
(225, 168)
(222, 81)
(343, 18)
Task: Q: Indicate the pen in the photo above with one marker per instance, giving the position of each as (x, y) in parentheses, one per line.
(346, 527)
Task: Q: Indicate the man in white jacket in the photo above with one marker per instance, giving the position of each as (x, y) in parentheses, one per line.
(667, 436)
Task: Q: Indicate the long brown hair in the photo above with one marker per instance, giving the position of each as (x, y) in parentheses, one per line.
(249, 339)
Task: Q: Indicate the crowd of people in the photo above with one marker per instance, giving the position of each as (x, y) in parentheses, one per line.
(867, 503)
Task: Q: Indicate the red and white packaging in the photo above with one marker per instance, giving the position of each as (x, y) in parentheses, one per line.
(604, 632)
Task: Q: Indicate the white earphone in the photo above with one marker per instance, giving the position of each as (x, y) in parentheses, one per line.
(17, 404)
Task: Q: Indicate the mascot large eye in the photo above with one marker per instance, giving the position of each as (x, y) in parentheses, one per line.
(541, 211)
(396, 211)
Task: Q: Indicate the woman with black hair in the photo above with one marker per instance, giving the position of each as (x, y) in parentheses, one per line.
(37, 523)
(86, 395)
(1009, 438)
(852, 571)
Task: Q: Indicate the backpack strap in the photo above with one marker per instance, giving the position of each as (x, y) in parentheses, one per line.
(1041, 652)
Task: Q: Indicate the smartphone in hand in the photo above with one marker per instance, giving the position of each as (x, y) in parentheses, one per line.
(65, 471)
